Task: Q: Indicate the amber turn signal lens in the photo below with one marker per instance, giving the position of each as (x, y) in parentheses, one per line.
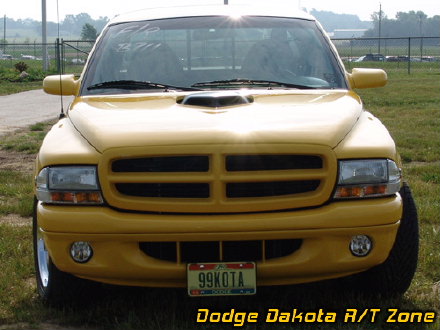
(93, 197)
(361, 191)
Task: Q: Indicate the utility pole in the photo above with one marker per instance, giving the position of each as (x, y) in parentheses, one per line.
(4, 34)
(380, 23)
(421, 36)
(44, 35)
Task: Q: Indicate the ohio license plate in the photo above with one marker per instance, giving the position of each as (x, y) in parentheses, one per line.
(221, 279)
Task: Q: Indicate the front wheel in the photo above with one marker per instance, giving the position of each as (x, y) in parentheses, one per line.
(394, 276)
(54, 286)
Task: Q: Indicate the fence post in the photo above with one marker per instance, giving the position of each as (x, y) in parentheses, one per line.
(409, 55)
(62, 56)
(57, 54)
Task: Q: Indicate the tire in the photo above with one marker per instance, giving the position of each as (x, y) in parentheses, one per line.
(393, 277)
(54, 286)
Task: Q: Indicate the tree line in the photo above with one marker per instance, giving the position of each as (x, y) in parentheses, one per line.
(405, 24)
(71, 26)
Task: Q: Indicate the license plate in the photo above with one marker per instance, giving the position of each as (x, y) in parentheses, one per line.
(221, 279)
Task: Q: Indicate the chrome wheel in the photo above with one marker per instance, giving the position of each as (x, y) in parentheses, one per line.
(42, 259)
(54, 287)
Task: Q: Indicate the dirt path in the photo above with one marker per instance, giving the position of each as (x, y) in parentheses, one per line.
(27, 108)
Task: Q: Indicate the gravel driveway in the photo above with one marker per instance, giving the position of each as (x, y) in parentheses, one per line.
(27, 108)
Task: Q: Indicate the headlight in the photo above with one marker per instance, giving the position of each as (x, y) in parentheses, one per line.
(68, 185)
(367, 178)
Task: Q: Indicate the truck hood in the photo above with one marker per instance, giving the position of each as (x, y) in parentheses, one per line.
(307, 117)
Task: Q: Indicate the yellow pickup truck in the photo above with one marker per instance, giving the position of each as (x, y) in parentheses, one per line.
(218, 149)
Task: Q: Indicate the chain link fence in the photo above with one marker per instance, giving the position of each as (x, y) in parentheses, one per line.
(33, 53)
(73, 55)
(405, 54)
(65, 56)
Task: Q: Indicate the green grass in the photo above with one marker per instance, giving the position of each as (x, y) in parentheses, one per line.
(16, 190)
(32, 64)
(24, 143)
(410, 108)
(16, 287)
(398, 67)
(15, 193)
(10, 81)
(7, 87)
(27, 142)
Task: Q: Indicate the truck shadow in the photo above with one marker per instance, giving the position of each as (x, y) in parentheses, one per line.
(327, 303)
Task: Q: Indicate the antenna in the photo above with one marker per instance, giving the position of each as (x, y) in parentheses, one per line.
(62, 115)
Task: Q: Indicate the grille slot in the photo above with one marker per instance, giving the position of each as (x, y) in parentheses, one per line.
(267, 189)
(162, 164)
(216, 251)
(281, 248)
(165, 190)
(196, 251)
(272, 162)
(160, 250)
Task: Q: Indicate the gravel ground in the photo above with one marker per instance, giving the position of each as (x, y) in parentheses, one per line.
(27, 108)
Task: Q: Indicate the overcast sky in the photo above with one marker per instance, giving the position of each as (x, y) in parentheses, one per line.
(363, 8)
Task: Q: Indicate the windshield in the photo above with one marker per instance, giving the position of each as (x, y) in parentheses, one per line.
(215, 52)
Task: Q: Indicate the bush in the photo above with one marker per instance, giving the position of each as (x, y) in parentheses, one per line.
(12, 75)
(21, 66)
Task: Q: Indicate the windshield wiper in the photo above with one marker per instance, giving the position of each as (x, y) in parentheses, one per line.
(245, 81)
(134, 84)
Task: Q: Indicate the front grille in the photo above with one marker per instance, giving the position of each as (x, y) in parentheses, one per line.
(165, 190)
(224, 251)
(217, 178)
(265, 189)
(272, 162)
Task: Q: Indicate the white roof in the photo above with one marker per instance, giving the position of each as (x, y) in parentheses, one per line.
(210, 10)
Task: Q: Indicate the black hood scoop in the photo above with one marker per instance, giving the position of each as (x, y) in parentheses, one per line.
(216, 99)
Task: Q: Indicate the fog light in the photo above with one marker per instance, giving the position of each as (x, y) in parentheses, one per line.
(81, 252)
(360, 245)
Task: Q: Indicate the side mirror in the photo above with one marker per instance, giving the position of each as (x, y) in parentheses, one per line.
(61, 85)
(367, 78)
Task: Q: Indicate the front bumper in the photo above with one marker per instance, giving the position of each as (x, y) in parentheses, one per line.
(325, 233)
